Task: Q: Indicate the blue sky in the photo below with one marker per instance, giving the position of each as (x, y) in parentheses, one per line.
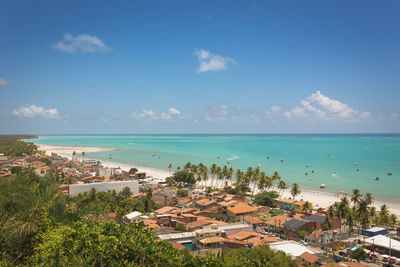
(199, 66)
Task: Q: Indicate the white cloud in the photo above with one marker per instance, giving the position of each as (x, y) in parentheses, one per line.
(217, 113)
(83, 43)
(275, 108)
(4, 82)
(174, 111)
(32, 111)
(211, 62)
(150, 114)
(323, 107)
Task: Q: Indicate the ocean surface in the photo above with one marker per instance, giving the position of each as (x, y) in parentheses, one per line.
(333, 158)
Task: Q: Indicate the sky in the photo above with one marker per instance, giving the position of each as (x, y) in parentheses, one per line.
(292, 66)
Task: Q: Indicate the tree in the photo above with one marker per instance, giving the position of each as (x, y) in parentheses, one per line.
(169, 166)
(307, 207)
(182, 193)
(133, 170)
(355, 197)
(358, 254)
(184, 177)
(267, 198)
(295, 190)
(282, 186)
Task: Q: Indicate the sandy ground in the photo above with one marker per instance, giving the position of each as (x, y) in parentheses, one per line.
(318, 198)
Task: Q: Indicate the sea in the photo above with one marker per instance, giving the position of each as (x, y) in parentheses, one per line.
(340, 161)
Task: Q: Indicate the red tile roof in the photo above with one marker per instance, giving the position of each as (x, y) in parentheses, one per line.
(242, 209)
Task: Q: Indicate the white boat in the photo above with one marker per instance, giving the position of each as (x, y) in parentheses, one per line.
(322, 186)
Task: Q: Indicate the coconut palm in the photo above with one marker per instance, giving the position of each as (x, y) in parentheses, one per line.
(275, 178)
(188, 166)
(295, 190)
(213, 170)
(384, 215)
(307, 207)
(169, 166)
(282, 186)
(356, 196)
(229, 175)
(83, 154)
(368, 197)
(220, 175)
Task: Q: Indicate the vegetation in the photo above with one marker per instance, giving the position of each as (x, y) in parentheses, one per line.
(10, 145)
(182, 193)
(133, 170)
(266, 198)
(184, 177)
(358, 254)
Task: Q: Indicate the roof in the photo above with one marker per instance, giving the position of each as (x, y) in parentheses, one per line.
(242, 209)
(295, 223)
(205, 202)
(278, 220)
(133, 215)
(178, 246)
(287, 200)
(299, 203)
(375, 229)
(252, 220)
(316, 234)
(292, 248)
(344, 264)
(227, 203)
(310, 258)
(384, 241)
(178, 235)
(213, 239)
(165, 209)
(316, 218)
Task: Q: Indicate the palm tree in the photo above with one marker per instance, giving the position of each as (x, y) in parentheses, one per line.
(213, 170)
(384, 215)
(355, 198)
(255, 178)
(295, 190)
(73, 155)
(261, 183)
(169, 166)
(83, 154)
(229, 175)
(282, 186)
(188, 166)
(220, 175)
(328, 226)
(307, 206)
(275, 177)
(368, 197)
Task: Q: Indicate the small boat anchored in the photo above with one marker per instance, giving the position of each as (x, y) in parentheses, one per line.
(322, 186)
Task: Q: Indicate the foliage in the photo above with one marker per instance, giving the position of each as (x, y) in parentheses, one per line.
(184, 177)
(259, 256)
(11, 145)
(182, 193)
(358, 254)
(133, 170)
(180, 227)
(102, 244)
(219, 217)
(46, 160)
(266, 198)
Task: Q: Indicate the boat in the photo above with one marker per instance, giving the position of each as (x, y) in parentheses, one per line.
(389, 173)
(306, 165)
(282, 160)
(357, 170)
(306, 173)
(267, 157)
(355, 163)
(334, 174)
(312, 171)
(376, 178)
(322, 186)
(329, 154)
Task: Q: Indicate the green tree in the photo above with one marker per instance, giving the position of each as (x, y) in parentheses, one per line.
(358, 254)
(133, 170)
(182, 193)
(185, 177)
(267, 198)
(295, 190)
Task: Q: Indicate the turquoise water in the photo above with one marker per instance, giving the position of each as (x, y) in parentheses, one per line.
(375, 155)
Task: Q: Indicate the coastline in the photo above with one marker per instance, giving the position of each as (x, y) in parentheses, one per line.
(319, 198)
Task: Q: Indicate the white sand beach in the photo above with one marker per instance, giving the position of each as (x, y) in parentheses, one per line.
(319, 198)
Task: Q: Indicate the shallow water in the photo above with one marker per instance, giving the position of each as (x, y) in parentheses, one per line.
(332, 157)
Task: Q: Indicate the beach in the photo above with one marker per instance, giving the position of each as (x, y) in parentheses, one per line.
(319, 198)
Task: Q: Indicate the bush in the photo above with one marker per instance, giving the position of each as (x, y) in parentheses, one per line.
(182, 193)
(184, 177)
(266, 198)
(358, 254)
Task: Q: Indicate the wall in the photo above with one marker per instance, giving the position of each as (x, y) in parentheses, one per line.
(75, 189)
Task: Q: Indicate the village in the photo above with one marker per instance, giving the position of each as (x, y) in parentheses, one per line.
(207, 220)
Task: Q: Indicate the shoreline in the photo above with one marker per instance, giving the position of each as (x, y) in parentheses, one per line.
(319, 198)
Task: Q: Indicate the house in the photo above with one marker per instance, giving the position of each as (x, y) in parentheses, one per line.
(236, 214)
(255, 222)
(374, 231)
(307, 259)
(252, 239)
(42, 171)
(319, 221)
(298, 206)
(319, 237)
(293, 227)
(206, 203)
(132, 217)
(344, 264)
(167, 209)
(209, 241)
(277, 221)
(37, 164)
(199, 224)
(291, 248)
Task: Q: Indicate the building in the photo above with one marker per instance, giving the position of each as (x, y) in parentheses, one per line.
(286, 203)
(209, 241)
(294, 226)
(277, 222)
(374, 231)
(307, 259)
(383, 245)
(187, 239)
(236, 214)
(117, 186)
(291, 248)
(132, 217)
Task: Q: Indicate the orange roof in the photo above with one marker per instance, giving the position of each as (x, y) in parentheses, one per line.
(205, 202)
(316, 234)
(178, 246)
(242, 209)
(299, 203)
(256, 239)
(227, 203)
(278, 220)
(310, 258)
(165, 209)
(287, 200)
(252, 220)
(344, 264)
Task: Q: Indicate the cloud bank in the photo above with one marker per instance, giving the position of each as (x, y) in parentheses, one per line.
(31, 111)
